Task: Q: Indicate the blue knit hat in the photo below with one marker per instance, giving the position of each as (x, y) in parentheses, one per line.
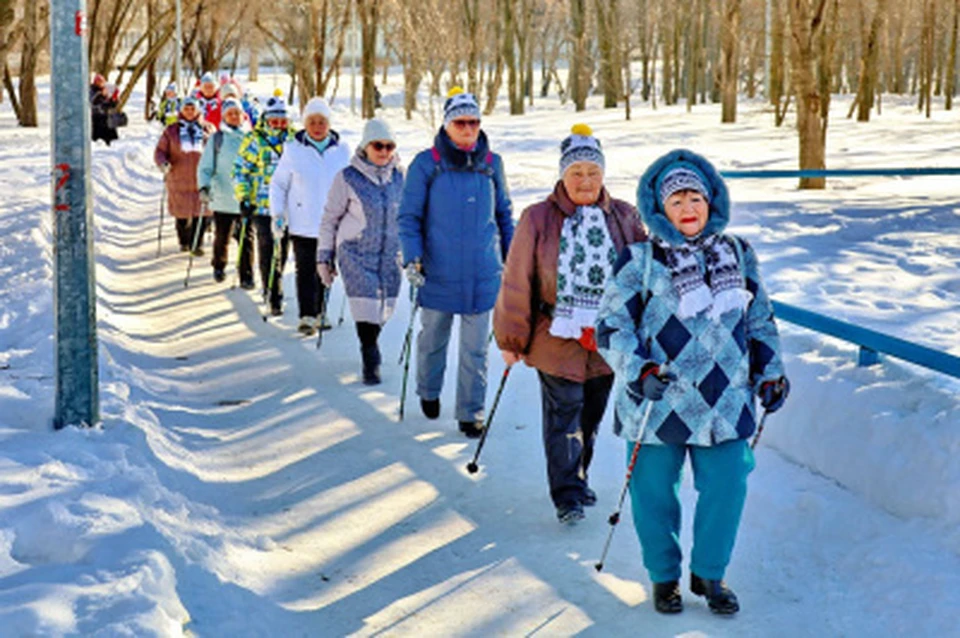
(275, 107)
(459, 104)
(207, 77)
(681, 176)
(580, 146)
(230, 103)
(189, 101)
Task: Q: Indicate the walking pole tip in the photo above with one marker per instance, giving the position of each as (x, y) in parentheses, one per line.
(472, 467)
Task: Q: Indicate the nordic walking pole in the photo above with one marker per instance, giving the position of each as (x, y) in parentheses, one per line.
(243, 235)
(323, 315)
(163, 201)
(405, 354)
(274, 258)
(756, 437)
(615, 517)
(197, 225)
(343, 306)
(472, 466)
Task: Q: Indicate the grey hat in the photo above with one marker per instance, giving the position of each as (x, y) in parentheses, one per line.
(376, 129)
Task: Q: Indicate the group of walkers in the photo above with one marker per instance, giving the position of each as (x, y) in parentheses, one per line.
(659, 306)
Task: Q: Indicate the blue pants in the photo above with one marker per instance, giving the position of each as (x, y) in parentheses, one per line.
(720, 478)
(472, 370)
(571, 413)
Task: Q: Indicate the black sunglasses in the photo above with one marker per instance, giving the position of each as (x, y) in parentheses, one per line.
(466, 123)
(380, 146)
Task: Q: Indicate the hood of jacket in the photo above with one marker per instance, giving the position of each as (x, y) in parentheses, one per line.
(651, 208)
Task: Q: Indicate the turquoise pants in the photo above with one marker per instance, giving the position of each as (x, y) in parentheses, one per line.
(720, 478)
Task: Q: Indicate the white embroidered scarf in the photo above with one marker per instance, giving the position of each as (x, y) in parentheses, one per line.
(716, 291)
(584, 263)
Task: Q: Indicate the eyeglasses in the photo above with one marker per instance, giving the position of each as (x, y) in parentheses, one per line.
(380, 146)
(466, 123)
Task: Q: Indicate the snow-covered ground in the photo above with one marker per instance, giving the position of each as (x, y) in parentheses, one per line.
(245, 484)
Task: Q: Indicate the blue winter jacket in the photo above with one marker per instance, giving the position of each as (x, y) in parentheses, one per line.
(457, 219)
(719, 365)
(215, 169)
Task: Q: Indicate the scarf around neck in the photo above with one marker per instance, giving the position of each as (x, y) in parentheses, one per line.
(716, 289)
(191, 136)
(584, 264)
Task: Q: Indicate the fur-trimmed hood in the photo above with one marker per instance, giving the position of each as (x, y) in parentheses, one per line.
(651, 208)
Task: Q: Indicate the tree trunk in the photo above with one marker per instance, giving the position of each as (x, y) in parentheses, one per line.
(508, 17)
(729, 35)
(607, 16)
(952, 58)
(28, 64)
(253, 73)
(369, 19)
(471, 20)
(666, 92)
(148, 104)
(868, 64)
(806, 21)
(579, 79)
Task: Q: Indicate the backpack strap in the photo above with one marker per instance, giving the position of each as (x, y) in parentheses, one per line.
(217, 143)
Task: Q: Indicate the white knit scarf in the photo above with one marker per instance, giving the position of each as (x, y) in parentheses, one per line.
(584, 263)
(717, 291)
(191, 136)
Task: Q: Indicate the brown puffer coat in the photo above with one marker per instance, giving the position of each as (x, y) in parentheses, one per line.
(528, 292)
(183, 200)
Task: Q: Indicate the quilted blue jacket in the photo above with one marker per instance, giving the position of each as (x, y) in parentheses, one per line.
(719, 365)
(457, 219)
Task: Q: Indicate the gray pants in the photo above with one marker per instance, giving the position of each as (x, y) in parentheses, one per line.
(472, 370)
(571, 414)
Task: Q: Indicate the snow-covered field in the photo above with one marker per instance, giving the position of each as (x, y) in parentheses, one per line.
(245, 484)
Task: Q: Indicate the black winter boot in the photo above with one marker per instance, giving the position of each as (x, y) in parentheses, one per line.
(666, 597)
(371, 364)
(720, 598)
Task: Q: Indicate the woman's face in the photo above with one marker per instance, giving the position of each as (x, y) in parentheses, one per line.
(688, 211)
(583, 181)
(317, 127)
(380, 152)
(189, 112)
(233, 117)
(464, 131)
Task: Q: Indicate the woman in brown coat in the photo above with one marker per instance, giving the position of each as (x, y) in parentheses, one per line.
(177, 154)
(563, 251)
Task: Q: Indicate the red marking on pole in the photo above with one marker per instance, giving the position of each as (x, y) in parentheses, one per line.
(61, 195)
(80, 23)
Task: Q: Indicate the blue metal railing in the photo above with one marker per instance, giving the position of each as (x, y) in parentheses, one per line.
(839, 172)
(871, 342)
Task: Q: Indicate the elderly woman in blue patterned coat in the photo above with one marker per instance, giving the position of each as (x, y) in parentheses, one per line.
(689, 331)
(359, 231)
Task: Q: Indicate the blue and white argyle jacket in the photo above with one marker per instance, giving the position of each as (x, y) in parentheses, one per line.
(719, 365)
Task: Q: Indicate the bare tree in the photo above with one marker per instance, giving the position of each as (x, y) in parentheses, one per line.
(36, 33)
(609, 44)
(806, 24)
(952, 58)
(729, 61)
(869, 67)
(369, 11)
(580, 67)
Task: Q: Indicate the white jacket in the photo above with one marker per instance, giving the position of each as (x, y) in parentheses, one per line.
(298, 190)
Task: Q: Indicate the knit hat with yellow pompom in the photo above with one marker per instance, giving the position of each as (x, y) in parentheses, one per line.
(459, 104)
(580, 146)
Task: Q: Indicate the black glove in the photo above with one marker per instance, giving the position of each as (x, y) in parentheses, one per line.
(247, 210)
(773, 394)
(653, 383)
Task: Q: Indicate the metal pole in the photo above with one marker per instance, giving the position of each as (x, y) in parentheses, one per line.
(177, 63)
(74, 297)
(353, 57)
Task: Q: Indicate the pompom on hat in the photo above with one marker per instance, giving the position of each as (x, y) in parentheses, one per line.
(459, 104)
(580, 146)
